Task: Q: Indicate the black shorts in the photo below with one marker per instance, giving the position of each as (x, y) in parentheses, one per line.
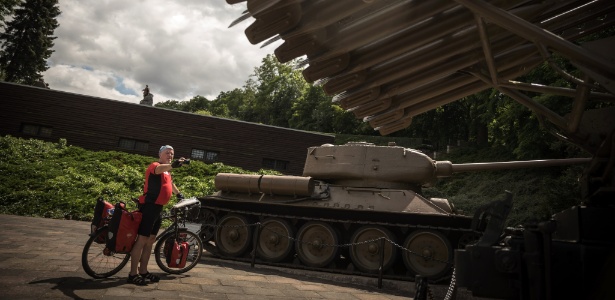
(151, 220)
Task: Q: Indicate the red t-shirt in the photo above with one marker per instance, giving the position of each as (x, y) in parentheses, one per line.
(158, 187)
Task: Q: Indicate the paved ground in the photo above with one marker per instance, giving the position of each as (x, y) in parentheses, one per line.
(41, 259)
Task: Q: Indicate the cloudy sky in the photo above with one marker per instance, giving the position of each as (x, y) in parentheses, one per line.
(180, 48)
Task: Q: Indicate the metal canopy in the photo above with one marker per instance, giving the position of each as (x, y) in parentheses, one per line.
(390, 60)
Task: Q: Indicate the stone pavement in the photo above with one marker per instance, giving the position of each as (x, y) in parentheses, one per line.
(41, 259)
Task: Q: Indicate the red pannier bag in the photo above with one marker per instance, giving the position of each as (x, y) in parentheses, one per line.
(101, 215)
(123, 229)
(176, 254)
(101, 212)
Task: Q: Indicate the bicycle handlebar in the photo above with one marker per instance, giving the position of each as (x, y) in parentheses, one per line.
(186, 202)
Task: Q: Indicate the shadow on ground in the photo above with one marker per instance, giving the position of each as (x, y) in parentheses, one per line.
(68, 285)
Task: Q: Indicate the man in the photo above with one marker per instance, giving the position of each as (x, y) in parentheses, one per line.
(145, 91)
(157, 192)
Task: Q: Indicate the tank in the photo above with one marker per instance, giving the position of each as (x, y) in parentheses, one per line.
(356, 205)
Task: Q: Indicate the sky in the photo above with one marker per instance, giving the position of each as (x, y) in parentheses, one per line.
(180, 48)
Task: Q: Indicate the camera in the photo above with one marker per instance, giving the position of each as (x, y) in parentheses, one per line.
(186, 161)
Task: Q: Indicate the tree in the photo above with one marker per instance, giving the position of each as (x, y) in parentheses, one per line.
(6, 9)
(196, 103)
(26, 44)
(229, 104)
(479, 116)
(312, 111)
(277, 87)
(170, 104)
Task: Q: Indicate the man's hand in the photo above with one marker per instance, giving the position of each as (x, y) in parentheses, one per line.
(180, 196)
(177, 163)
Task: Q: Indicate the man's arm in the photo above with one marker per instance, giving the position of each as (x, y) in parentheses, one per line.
(161, 168)
(175, 189)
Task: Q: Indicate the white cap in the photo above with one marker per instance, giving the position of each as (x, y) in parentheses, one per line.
(165, 147)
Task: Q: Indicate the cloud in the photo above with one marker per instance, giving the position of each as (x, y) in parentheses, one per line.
(181, 49)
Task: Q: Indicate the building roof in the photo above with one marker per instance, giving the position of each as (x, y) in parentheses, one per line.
(104, 124)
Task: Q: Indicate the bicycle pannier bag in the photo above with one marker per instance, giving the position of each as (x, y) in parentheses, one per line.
(123, 229)
(177, 254)
(101, 211)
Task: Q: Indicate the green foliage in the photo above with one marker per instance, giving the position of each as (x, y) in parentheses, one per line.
(442, 126)
(26, 44)
(233, 104)
(54, 180)
(312, 111)
(279, 85)
(170, 104)
(6, 9)
(197, 103)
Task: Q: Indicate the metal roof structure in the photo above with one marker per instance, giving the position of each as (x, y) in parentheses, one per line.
(390, 60)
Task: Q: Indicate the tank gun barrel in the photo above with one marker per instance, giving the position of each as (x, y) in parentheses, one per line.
(446, 168)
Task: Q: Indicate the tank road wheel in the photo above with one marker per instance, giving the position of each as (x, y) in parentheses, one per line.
(366, 256)
(274, 242)
(208, 225)
(431, 251)
(233, 236)
(314, 244)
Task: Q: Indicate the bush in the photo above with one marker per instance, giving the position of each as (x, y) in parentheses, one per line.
(54, 180)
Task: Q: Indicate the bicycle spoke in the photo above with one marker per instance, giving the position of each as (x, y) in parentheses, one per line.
(95, 263)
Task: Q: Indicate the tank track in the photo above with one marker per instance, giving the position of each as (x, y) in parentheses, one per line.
(455, 228)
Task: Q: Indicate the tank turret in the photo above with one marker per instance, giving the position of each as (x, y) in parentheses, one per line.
(367, 165)
(352, 194)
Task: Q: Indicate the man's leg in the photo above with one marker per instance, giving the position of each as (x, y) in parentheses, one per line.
(150, 225)
(146, 253)
(135, 253)
(135, 256)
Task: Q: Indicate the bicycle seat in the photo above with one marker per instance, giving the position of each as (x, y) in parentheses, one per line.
(187, 202)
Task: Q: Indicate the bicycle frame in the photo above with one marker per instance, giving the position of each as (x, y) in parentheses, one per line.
(179, 216)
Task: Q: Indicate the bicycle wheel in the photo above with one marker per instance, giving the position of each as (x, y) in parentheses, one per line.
(98, 264)
(195, 250)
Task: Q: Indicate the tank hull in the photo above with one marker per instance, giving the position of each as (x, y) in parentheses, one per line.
(333, 214)
(332, 236)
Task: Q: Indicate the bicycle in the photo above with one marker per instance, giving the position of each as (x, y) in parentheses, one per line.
(99, 262)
